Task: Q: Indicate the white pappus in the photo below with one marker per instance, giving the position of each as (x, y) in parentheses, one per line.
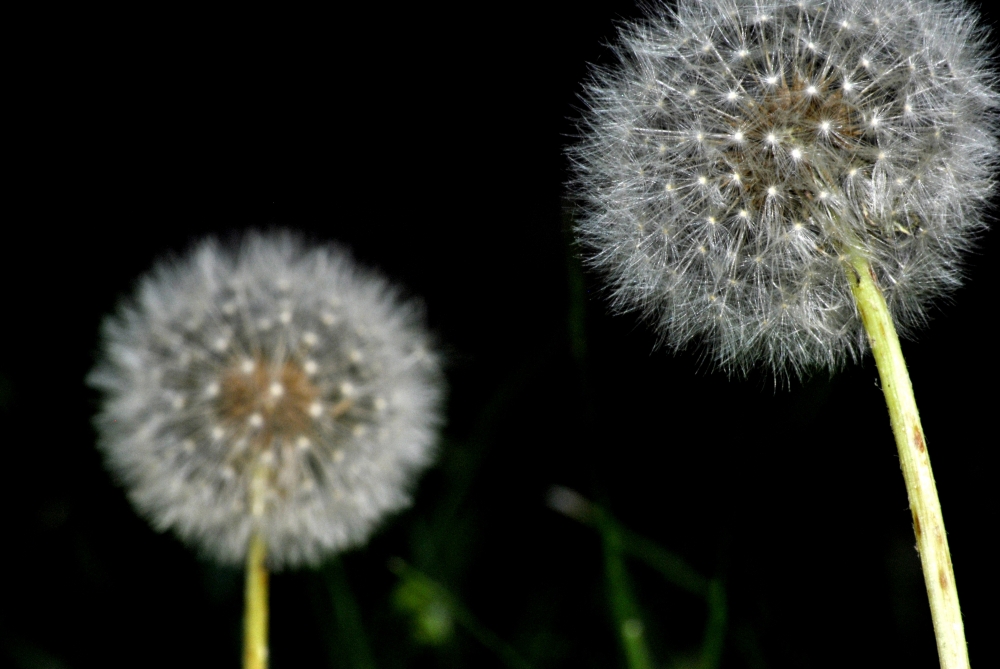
(740, 150)
(273, 389)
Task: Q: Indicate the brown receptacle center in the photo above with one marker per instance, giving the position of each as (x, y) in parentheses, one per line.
(280, 394)
(798, 114)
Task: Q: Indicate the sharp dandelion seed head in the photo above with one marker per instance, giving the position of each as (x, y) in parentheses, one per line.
(306, 427)
(826, 129)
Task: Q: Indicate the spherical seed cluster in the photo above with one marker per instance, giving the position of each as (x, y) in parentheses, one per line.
(741, 150)
(277, 390)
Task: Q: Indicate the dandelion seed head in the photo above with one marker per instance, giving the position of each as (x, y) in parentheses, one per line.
(307, 428)
(855, 127)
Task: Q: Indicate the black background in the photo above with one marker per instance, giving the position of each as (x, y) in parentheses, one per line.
(429, 140)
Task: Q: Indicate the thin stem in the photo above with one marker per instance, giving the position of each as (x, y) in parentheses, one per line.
(255, 615)
(624, 608)
(928, 523)
(715, 628)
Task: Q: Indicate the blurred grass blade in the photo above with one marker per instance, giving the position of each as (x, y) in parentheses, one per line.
(571, 503)
(715, 627)
(351, 644)
(618, 542)
(622, 600)
(669, 564)
(433, 607)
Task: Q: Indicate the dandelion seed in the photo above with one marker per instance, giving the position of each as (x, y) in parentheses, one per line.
(900, 93)
(264, 423)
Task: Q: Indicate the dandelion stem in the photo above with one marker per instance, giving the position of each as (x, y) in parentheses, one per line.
(255, 616)
(928, 523)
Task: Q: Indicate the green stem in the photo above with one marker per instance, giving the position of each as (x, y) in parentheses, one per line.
(715, 628)
(670, 565)
(255, 615)
(928, 523)
(623, 604)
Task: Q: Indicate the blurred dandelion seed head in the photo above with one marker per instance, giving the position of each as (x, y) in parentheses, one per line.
(274, 389)
(739, 150)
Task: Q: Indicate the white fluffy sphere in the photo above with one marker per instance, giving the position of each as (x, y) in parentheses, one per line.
(740, 150)
(274, 389)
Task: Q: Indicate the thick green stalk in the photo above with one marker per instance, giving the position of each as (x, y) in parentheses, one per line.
(928, 523)
(255, 614)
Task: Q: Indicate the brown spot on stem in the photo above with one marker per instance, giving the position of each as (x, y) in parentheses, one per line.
(943, 579)
(918, 438)
(916, 525)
